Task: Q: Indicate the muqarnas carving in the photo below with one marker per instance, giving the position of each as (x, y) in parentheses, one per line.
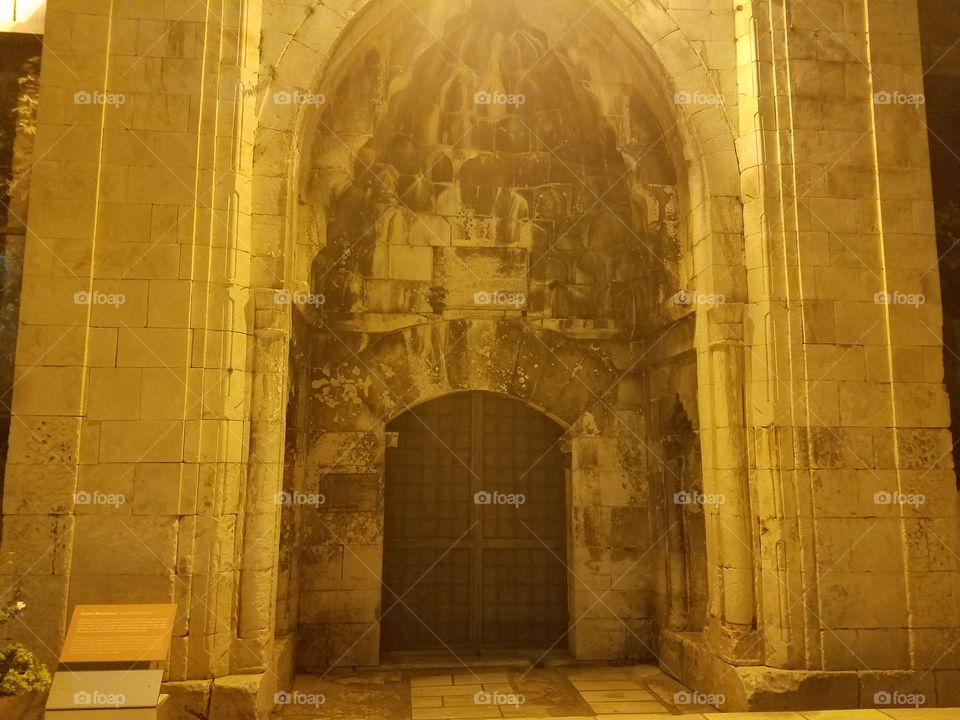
(489, 163)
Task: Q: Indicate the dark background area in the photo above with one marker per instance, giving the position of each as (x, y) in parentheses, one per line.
(19, 68)
(940, 34)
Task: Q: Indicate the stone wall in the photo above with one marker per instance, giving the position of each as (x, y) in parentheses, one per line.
(180, 166)
(846, 412)
(127, 479)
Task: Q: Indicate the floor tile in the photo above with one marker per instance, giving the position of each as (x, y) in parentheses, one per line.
(479, 677)
(431, 680)
(923, 713)
(757, 716)
(549, 689)
(474, 711)
(427, 702)
(648, 716)
(622, 708)
(604, 685)
(460, 700)
(498, 688)
(371, 696)
(607, 673)
(847, 715)
(445, 690)
(592, 696)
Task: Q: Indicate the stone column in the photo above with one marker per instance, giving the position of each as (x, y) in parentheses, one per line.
(757, 146)
(730, 521)
(258, 574)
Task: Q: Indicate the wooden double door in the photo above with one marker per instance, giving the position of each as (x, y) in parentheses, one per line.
(475, 528)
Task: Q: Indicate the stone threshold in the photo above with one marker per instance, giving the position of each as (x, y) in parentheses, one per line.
(889, 714)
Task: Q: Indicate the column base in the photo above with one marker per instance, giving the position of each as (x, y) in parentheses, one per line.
(764, 688)
(232, 697)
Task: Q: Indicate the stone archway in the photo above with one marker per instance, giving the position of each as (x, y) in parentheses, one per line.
(358, 389)
(709, 259)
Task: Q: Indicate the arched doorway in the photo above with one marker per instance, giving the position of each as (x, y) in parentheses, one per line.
(474, 528)
(464, 240)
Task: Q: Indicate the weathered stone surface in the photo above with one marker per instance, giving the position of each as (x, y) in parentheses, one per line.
(238, 696)
(606, 217)
(187, 699)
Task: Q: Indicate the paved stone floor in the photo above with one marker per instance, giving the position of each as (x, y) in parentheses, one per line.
(562, 693)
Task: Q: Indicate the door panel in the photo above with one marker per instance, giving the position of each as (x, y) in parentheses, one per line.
(474, 571)
(441, 599)
(524, 599)
(427, 572)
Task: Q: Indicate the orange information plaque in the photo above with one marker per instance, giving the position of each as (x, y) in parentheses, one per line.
(119, 633)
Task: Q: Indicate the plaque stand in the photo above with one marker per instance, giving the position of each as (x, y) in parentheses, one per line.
(110, 666)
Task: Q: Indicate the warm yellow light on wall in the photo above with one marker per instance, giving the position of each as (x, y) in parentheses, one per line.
(25, 16)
